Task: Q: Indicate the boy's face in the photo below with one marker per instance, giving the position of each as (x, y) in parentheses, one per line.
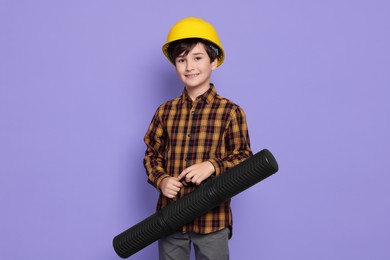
(194, 70)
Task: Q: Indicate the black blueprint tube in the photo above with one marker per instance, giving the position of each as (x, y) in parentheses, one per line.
(206, 197)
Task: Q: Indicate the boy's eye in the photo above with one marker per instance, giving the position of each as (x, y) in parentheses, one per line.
(198, 58)
(180, 60)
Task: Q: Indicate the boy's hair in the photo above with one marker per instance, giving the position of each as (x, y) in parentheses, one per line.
(184, 46)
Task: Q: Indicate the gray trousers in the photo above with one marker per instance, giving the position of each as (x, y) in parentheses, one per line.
(213, 246)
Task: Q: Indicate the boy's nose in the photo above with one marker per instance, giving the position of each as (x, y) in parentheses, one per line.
(189, 66)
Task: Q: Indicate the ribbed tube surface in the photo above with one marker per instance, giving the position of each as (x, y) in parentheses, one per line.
(205, 198)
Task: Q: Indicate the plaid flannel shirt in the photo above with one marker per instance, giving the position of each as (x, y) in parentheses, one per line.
(185, 132)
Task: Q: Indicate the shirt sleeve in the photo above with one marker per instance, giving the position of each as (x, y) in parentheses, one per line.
(237, 143)
(154, 160)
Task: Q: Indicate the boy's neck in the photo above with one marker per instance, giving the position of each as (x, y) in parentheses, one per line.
(193, 93)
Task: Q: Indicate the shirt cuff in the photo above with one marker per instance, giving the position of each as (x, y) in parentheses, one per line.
(218, 165)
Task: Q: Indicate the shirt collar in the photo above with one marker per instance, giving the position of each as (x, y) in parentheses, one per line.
(208, 96)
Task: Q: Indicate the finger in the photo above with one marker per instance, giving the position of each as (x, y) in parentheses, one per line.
(190, 176)
(171, 194)
(172, 181)
(177, 184)
(177, 188)
(195, 180)
(199, 180)
(174, 186)
(184, 172)
(168, 195)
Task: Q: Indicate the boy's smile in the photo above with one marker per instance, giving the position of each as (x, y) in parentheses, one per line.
(194, 70)
(191, 76)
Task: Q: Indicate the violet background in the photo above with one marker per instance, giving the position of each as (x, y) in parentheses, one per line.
(80, 81)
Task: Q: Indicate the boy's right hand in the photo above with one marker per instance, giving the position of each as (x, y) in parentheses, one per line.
(170, 186)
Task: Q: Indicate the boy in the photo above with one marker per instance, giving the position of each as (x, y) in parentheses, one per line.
(195, 137)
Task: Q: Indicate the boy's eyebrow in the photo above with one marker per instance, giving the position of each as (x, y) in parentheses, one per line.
(196, 53)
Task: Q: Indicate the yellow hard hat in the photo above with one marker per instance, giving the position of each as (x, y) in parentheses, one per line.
(192, 27)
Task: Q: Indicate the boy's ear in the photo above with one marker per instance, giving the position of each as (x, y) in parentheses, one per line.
(214, 64)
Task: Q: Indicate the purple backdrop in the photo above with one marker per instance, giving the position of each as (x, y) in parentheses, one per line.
(80, 81)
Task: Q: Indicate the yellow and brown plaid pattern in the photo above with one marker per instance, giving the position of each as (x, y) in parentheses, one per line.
(185, 132)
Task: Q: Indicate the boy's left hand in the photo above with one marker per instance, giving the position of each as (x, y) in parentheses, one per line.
(197, 172)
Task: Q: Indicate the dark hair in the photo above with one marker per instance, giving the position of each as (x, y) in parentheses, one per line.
(184, 46)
